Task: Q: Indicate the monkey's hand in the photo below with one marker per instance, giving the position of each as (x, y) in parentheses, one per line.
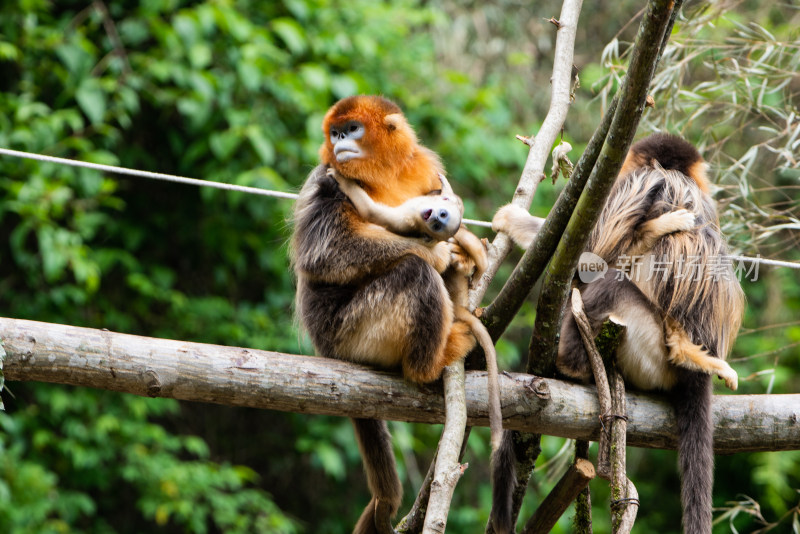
(654, 229)
(674, 221)
(439, 256)
(682, 219)
(349, 187)
(730, 376)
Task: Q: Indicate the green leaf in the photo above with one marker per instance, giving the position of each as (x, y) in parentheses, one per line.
(8, 51)
(92, 100)
(331, 460)
(224, 143)
(186, 28)
(262, 145)
(291, 33)
(344, 85)
(53, 247)
(315, 76)
(200, 55)
(74, 58)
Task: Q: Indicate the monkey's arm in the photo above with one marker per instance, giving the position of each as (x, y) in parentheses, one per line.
(332, 243)
(520, 225)
(654, 229)
(406, 218)
(400, 220)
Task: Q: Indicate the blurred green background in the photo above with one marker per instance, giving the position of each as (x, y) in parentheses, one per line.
(235, 91)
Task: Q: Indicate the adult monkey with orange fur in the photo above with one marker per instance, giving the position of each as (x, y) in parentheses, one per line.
(682, 302)
(439, 217)
(366, 294)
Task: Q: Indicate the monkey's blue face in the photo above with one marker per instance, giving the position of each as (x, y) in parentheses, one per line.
(344, 138)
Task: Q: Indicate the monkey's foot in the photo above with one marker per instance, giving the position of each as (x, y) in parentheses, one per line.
(506, 216)
(460, 260)
(520, 225)
(730, 377)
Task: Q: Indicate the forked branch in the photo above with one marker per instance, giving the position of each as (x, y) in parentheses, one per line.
(611, 463)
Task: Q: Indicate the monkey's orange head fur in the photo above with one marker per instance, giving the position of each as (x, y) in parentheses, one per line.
(387, 159)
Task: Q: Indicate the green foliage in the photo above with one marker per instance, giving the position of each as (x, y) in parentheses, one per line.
(235, 92)
(69, 454)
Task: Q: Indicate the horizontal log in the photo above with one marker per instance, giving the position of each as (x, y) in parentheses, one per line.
(234, 376)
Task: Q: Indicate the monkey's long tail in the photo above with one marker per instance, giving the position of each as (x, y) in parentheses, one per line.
(493, 380)
(504, 483)
(692, 401)
(375, 444)
(503, 464)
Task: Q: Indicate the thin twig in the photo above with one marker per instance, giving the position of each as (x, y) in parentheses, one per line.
(625, 498)
(498, 315)
(612, 446)
(113, 36)
(532, 175)
(533, 172)
(448, 469)
(601, 382)
(412, 523)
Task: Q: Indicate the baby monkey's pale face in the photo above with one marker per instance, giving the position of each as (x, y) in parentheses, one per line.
(440, 214)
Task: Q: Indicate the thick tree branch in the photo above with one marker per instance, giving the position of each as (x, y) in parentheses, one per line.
(502, 310)
(631, 104)
(498, 315)
(532, 175)
(305, 384)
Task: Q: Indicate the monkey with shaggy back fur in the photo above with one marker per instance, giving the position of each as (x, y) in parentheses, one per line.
(677, 294)
(364, 293)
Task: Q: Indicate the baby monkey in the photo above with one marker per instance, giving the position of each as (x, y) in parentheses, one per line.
(437, 217)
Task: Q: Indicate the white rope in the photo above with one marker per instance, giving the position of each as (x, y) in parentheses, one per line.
(473, 222)
(147, 174)
(171, 177)
(766, 261)
(265, 192)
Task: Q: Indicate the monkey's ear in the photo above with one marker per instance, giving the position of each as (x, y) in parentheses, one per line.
(394, 121)
(446, 188)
